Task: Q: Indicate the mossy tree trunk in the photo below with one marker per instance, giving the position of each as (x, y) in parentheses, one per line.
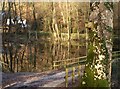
(100, 25)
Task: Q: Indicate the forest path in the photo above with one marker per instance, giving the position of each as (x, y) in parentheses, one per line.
(26, 79)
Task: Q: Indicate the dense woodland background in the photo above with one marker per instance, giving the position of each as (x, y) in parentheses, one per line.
(34, 34)
(30, 23)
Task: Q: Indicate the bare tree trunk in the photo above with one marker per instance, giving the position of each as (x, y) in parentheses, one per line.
(68, 19)
(35, 20)
(35, 55)
(54, 24)
(9, 16)
(78, 24)
(62, 12)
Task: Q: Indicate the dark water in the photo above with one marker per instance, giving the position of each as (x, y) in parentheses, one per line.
(21, 54)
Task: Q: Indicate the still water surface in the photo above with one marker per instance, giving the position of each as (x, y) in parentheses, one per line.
(30, 55)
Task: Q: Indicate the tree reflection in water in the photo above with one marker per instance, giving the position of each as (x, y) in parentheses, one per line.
(35, 56)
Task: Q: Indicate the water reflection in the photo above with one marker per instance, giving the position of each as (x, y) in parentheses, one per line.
(30, 55)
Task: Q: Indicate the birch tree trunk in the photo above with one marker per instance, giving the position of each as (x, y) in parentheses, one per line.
(54, 23)
(68, 19)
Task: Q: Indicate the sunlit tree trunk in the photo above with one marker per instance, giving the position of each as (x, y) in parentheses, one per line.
(54, 23)
(78, 23)
(68, 18)
(63, 17)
